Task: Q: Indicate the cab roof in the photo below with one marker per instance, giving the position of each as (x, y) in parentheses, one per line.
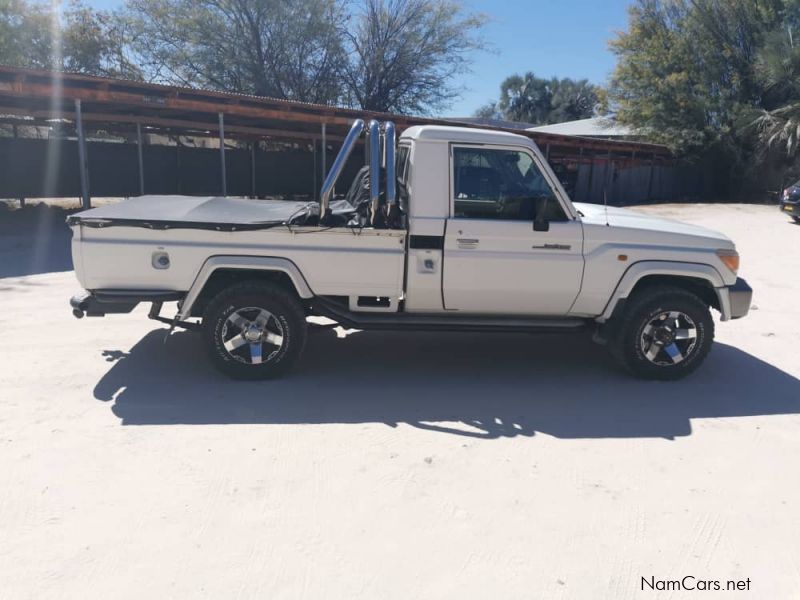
(445, 133)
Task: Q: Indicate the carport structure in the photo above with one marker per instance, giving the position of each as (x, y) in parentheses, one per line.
(78, 135)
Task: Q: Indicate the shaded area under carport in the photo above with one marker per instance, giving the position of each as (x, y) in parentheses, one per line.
(70, 135)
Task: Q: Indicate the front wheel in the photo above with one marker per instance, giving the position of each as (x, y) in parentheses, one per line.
(254, 330)
(665, 333)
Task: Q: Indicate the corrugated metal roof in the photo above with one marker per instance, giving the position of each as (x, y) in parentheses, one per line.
(173, 88)
(595, 127)
(46, 94)
(494, 123)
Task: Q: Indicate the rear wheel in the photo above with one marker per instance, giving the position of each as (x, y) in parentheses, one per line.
(665, 333)
(254, 330)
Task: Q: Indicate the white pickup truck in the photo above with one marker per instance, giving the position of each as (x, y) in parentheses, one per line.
(445, 228)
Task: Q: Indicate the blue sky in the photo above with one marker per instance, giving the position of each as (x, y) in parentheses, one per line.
(566, 38)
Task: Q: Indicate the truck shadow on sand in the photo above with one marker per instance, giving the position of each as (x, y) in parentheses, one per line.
(461, 383)
(34, 240)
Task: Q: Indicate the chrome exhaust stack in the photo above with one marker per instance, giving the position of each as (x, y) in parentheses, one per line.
(389, 148)
(336, 169)
(374, 147)
(380, 140)
(389, 145)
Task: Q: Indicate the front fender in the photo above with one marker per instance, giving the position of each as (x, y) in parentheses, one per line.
(642, 269)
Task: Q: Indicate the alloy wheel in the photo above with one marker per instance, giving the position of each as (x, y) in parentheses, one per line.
(668, 338)
(252, 335)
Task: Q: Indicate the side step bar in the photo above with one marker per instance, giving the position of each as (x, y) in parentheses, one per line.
(421, 322)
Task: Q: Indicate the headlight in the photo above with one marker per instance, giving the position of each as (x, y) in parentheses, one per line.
(730, 258)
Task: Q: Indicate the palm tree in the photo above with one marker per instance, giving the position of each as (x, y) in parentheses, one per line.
(777, 129)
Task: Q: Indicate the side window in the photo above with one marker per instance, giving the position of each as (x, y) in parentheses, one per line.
(402, 163)
(502, 185)
(402, 169)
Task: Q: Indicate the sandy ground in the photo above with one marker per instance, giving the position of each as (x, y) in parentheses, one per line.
(400, 466)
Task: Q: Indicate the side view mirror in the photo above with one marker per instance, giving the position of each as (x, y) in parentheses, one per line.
(540, 221)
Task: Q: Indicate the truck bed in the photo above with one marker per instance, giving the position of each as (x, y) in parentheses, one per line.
(113, 247)
(192, 212)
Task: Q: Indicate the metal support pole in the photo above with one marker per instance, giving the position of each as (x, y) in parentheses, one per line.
(222, 154)
(610, 179)
(178, 175)
(547, 153)
(21, 198)
(591, 177)
(650, 178)
(253, 169)
(141, 159)
(82, 158)
(314, 177)
(324, 152)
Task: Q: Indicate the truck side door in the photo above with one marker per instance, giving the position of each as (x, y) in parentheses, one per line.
(494, 261)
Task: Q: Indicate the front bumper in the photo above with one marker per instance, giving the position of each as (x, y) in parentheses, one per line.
(740, 296)
(791, 207)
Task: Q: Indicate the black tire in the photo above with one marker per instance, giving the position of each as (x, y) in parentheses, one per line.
(649, 351)
(248, 302)
(796, 219)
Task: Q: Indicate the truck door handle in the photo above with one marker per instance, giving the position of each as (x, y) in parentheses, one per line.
(467, 242)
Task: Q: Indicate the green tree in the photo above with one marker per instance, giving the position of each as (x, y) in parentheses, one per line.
(657, 86)
(716, 80)
(96, 42)
(489, 111)
(382, 55)
(774, 127)
(25, 34)
(573, 99)
(688, 68)
(273, 48)
(777, 130)
(404, 54)
(531, 99)
(77, 39)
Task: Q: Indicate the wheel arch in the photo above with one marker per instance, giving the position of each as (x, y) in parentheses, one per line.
(219, 272)
(702, 280)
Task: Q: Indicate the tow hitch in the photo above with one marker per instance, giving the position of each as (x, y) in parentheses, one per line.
(89, 305)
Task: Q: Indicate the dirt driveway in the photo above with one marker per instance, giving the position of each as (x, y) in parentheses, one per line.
(400, 466)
